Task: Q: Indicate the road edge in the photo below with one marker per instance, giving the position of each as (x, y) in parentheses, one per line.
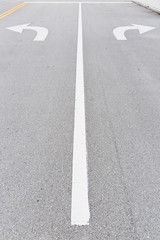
(152, 8)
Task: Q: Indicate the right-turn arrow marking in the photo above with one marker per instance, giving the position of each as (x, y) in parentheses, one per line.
(119, 32)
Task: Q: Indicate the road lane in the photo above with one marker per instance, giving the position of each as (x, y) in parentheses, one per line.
(37, 97)
(123, 115)
(37, 117)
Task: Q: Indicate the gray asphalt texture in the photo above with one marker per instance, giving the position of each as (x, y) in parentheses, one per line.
(37, 96)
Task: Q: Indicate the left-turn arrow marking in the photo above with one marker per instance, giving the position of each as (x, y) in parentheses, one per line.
(41, 31)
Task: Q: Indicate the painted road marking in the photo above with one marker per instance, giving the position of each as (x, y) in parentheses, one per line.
(82, 2)
(41, 31)
(119, 32)
(80, 205)
(12, 10)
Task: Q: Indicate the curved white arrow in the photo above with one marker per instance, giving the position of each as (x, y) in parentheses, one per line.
(41, 31)
(119, 32)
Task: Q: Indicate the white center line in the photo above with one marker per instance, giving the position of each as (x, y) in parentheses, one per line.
(82, 2)
(80, 205)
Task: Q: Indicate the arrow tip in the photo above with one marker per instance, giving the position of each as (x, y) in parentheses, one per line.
(18, 28)
(143, 29)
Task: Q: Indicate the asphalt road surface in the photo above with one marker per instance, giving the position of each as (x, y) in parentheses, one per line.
(37, 114)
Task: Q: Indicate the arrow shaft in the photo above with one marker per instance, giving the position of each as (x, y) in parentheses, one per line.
(41, 33)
